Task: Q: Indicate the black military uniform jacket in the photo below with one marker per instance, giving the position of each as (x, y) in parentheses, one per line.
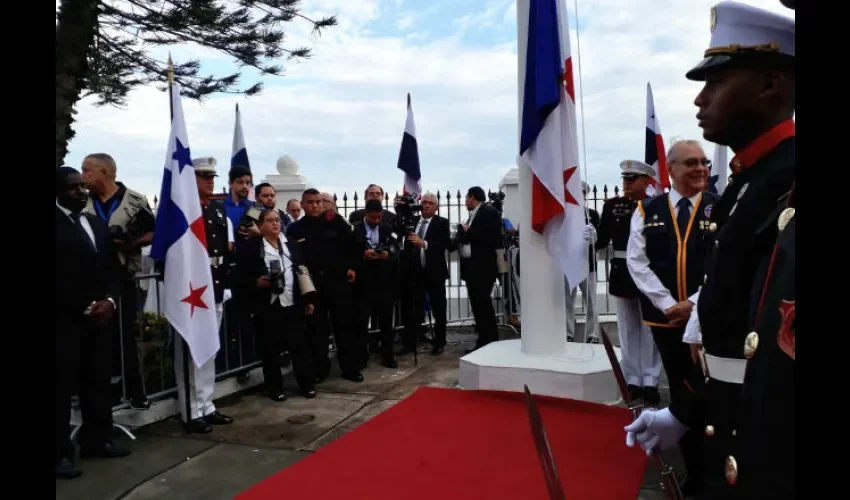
(766, 460)
(676, 259)
(614, 227)
(737, 242)
(329, 248)
(215, 226)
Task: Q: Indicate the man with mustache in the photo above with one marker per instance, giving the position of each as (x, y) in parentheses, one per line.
(747, 103)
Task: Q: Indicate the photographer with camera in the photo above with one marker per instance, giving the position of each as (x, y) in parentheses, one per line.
(272, 275)
(131, 224)
(479, 242)
(428, 272)
(377, 287)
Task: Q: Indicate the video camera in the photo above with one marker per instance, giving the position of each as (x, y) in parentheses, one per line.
(496, 200)
(251, 216)
(406, 209)
(276, 277)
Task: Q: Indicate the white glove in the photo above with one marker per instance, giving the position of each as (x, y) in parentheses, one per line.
(655, 429)
(590, 234)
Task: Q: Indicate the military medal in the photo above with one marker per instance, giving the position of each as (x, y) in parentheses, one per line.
(785, 217)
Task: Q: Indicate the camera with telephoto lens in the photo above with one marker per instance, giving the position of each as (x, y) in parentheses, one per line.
(406, 211)
(251, 216)
(276, 277)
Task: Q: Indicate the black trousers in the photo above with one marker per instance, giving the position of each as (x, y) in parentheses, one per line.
(81, 349)
(376, 302)
(681, 370)
(435, 288)
(721, 404)
(128, 350)
(335, 302)
(478, 290)
(283, 329)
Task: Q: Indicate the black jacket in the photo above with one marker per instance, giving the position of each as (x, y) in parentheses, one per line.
(484, 238)
(379, 275)
(439, 240)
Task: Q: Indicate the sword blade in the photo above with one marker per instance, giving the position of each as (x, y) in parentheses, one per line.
(544, 451)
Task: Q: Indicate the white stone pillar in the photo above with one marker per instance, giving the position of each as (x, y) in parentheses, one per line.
(288, 183)
(542, 289)
(510, 186)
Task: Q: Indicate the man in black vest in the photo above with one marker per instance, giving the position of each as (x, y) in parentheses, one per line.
(429, 272)
(377, 285)
(665, 259)
(641, 361)
(219, 235)
(87, 288)
(332, 253)
(748, 104)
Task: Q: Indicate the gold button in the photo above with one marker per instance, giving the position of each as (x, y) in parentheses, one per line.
(731, 470)
(707, 379)
(734, 432)
(209, 222)
(216, 251)
(709, 430)
(751, 345)
(712, 227)
(785, 217)
(716, 244)
(705, 279)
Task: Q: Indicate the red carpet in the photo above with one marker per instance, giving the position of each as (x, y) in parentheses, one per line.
(480, 448)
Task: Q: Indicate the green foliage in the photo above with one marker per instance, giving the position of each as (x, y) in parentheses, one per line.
(157, 363)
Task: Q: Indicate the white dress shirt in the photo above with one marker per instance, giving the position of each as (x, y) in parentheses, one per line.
(465, 249)
(287, 298)
(373, 234)
(84, 221)
(638, 263)
(423, 227)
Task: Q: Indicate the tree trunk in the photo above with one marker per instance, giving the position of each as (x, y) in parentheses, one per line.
(75, 30)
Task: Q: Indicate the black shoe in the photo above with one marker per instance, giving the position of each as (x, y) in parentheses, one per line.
(308, 393)
(140, 403)
(108, 450)
(635, 392)
(198, 426)
(436, 351)
(354, 377)
(651, 396)
(216, 418)
(592, 340)
(320, 378)
(389, 362)
(66, 470)
(278, 396)
(569, 338)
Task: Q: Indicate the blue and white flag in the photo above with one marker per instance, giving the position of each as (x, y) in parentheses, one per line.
(180, 241)
(719, 170)
(239, 153)
(408, 156)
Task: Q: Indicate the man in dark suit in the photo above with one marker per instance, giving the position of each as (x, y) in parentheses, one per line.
(747, 103)
(377, 286)
(373, 192)
(267, 273)
(476, 242)
(87, 288)
(429, 272)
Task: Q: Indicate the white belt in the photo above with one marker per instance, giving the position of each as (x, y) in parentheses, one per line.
(729, 370)
(619, 254)
(216, 261)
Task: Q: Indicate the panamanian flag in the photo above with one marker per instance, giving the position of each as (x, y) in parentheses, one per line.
(548, 138)
(655, 156)
(408, 155)
(719, 175)
(180, 241)
(239, 153)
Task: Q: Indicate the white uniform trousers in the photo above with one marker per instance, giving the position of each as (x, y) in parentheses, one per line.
(641, 360)
(201, 380)
(588, 293)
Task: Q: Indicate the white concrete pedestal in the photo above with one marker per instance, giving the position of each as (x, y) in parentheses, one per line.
(582, 372)
(287, 183)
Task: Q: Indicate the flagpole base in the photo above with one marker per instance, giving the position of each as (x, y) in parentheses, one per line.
(580, 371)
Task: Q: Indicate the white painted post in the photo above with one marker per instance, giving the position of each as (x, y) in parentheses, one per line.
(287, 183)
(542, 289)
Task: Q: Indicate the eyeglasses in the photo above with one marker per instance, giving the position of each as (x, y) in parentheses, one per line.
(272, 221)
(693, 162)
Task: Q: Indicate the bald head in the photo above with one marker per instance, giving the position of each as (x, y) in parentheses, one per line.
(328, 202)
(99, 171)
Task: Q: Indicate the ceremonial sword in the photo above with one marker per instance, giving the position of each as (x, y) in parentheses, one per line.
(553, 484)
(668, 475)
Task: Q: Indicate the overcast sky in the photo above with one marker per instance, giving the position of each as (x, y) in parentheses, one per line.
(341, 114)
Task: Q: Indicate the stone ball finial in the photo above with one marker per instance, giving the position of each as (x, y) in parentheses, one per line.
(286, 165)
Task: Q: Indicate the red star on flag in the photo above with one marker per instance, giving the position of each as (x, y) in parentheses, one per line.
(568, 197)
(195, 298)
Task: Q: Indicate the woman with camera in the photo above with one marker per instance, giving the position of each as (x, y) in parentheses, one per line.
(272, 274)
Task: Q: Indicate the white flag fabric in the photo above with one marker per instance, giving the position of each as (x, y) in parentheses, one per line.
(408, 155)
(180, 241)
(548, 138)
(719, 176)
(655, 155)
(239, 153)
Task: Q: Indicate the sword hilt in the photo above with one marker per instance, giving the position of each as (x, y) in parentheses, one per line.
(668, 476)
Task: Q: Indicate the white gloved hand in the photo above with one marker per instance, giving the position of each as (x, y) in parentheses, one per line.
(655, 429)
(590, 234)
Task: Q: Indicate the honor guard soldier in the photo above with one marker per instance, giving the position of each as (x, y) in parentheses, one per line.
(666, 259)
(641, 361)
(219, 236)
(747, 103)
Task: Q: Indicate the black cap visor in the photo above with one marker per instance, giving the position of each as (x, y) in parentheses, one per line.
(753, 60)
